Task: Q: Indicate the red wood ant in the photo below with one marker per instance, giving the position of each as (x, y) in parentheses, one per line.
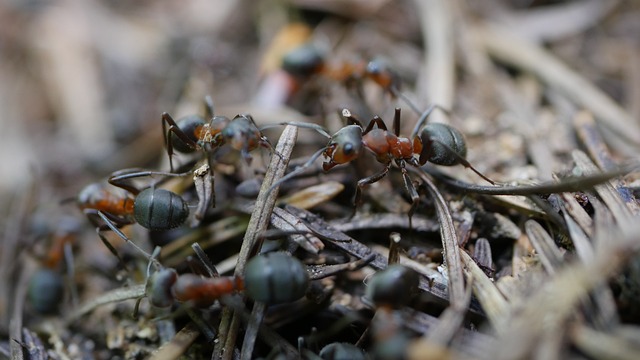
(195, 133)
(123, 204)
(307, 60)
(272, 278)
(46, 286)
(437, 143)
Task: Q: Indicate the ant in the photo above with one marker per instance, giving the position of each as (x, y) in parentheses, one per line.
(46, 285)
(272, 278)
(438, 143)
(193, 132)
(119, 203)
(307, 60)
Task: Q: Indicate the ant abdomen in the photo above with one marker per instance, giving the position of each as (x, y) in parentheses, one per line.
(159, 209)
(276, 278)
(442, 145)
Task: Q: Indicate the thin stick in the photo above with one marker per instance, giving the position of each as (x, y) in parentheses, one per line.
(257, 224)
(437, 32)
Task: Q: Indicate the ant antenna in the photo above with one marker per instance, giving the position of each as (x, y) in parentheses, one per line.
(298, 170)
(424, 116)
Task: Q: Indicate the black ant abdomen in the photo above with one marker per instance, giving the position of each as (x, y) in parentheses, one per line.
(159, 209)
(275, 278)
(442, 145)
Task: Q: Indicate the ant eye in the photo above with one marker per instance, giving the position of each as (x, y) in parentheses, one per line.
(348, 149)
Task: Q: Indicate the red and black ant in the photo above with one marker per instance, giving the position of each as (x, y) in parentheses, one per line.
(118, 203)
(307, 60)
(437, 143)
(193, 132)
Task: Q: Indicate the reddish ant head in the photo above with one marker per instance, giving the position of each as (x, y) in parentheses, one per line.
(212, 133)
(379, 71)
(344, 146)
(242, 133)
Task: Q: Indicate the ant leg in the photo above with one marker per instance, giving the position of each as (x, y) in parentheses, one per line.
(396, 122)
(173, 128)
(425, 116)
(120, 178)
(112, 226)
(397, 93)
(411, 189)
(298, 170)
(264, 142)
(321, 130)
(367, 181)
(377, 120)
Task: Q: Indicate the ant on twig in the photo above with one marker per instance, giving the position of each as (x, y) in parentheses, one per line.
(438, 143)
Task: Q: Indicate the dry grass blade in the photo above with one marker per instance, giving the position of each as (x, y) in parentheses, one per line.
(449, 242)
(525, 55)
(258, 223)
(551, 305)
(493, 302)
(606, 191)
(175, 348)
(601, 345)
(578, 214)
(547, 250)
(113, 296)
(451, 319)
(437, 31)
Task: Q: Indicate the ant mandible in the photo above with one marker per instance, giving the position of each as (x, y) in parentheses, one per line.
(193, 132)
(438, 143)
(118, 203)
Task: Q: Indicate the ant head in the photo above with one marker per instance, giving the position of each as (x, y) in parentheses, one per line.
(345, 145)
(393, 286)
(159, 287)
(379, 71)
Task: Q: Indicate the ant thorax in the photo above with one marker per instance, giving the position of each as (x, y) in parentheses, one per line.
(387, 146)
